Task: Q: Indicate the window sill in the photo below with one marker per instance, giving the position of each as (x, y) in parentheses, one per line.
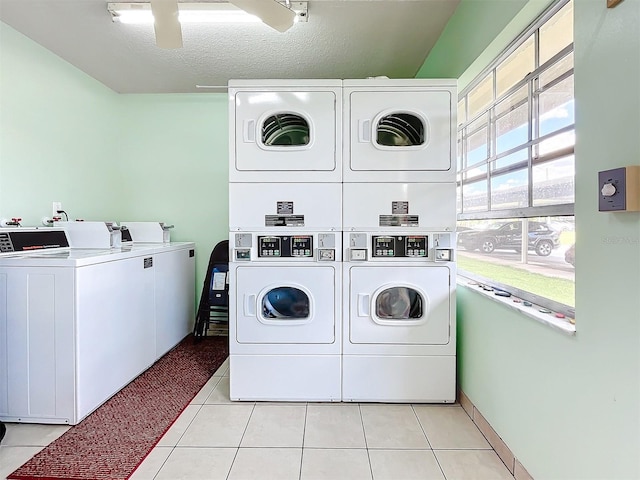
(533, 311)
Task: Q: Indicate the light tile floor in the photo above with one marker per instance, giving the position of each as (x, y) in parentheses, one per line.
(215, 438)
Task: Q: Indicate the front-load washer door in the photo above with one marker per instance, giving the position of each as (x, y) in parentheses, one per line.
(286, 305)
(399, 305)
(285, 131)
(408, 131)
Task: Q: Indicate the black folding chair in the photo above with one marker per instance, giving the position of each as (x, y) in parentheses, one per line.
(213, 310)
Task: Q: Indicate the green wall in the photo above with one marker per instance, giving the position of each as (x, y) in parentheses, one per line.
(569, 407)
(174, 167)
(65, 137)
(57, 129)
(473, 26)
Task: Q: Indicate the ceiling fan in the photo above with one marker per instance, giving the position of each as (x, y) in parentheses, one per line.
(169, 32)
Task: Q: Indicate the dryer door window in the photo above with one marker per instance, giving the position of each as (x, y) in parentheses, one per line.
(288, 303)
(400, 130)
(399, 303)
(285, 130)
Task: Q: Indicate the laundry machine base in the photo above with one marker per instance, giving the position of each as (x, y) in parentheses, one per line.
(405, 379)
(285, 378)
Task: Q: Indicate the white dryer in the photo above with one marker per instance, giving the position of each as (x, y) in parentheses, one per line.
(399, 130)
(284, 316)
(399, 292)
(285, 130)
(399, 330)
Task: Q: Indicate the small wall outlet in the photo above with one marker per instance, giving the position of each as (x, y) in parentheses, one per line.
(55, 207)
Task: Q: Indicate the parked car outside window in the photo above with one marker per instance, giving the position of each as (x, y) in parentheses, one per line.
(542, 238)
(570, 255)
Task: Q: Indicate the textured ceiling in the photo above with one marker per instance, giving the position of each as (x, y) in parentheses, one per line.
(342, 39)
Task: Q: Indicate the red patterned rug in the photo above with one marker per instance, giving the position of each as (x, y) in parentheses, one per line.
(111, 442)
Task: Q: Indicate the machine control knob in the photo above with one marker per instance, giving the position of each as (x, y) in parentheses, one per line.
(608, 190)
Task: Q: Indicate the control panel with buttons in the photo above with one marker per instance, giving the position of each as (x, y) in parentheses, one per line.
(285, 246)
(395, 246)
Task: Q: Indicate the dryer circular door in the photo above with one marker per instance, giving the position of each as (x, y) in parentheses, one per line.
(400, 136)
(399, 305)
(286, 304)
(286, 133)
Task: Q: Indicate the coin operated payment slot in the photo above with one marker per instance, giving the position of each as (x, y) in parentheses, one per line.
(619, 190)
(357, 247)
(444, 254)
(242, 250)
(243, 254)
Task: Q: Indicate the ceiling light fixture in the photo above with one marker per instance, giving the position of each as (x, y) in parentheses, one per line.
(195, 12)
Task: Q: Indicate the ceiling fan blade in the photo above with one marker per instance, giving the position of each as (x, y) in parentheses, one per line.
(166, 24)
(271, 12)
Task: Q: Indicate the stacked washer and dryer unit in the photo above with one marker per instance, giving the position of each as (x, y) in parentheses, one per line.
(285, 218)
(399, 214)
(342, 220)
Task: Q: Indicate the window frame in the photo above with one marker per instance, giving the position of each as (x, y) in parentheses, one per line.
(467, 175)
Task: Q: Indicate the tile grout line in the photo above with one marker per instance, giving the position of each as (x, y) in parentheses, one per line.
(240, 442)
(304, 430)
(421, 426)
(173, 447)
(364, 434)
(428, 441)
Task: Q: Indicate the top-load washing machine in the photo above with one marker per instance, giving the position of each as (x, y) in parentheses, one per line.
(285, 130)
(84, 322)
(174, 266)
(399, 130)
(77, 328)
